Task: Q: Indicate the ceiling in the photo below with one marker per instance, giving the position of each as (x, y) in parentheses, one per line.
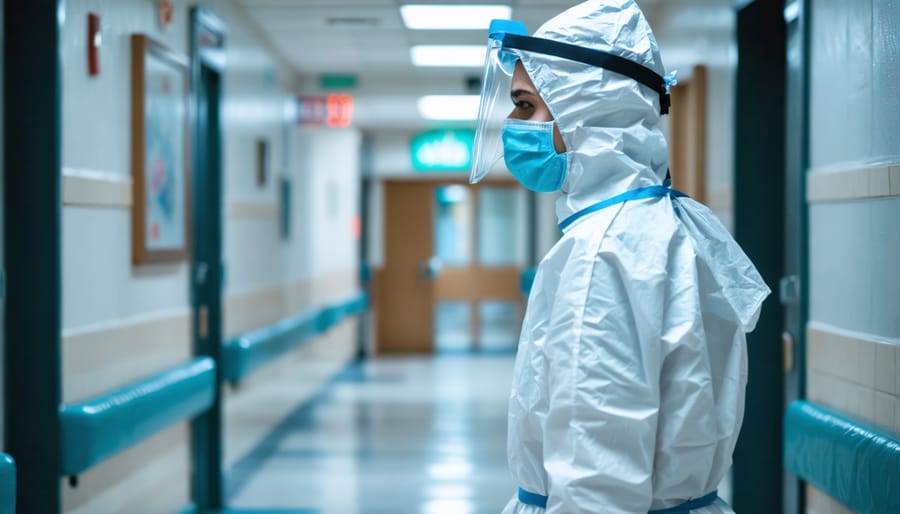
(368, 40)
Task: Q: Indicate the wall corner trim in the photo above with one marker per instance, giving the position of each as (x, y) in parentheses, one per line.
(853, 181)
(92, 188)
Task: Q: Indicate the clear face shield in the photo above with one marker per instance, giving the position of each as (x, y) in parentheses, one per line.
(507, 38)
(494, 104)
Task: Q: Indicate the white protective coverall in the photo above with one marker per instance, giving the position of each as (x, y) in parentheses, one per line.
(629, 383)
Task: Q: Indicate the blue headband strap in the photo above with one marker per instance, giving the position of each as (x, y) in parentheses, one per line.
(598, 58)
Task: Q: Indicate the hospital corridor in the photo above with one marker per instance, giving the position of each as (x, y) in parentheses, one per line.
(450, 257)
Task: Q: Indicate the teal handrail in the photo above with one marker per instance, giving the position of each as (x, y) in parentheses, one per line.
(854, 464)
(526, 280)
(248, 352)
(98, 428)
(7, 484)
(244, 354)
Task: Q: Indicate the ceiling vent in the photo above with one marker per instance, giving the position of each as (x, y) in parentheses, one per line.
(352, 21)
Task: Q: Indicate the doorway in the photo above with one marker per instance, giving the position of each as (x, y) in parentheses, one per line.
(207, 58)
(453, 256)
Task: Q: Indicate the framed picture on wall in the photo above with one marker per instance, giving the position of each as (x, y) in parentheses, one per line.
(160, 163)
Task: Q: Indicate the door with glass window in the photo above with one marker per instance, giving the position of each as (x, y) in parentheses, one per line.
(453, 256)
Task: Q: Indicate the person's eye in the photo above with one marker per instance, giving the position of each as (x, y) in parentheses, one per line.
(523, 105)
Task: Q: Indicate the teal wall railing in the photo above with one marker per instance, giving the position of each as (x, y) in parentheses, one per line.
(248, 352)
(7, 484)
(854, 464)
(526, 280)
(100, 427)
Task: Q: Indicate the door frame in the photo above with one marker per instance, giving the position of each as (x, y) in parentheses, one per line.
(759, 222)
(794, 286)
(33, 247)
(207, 42)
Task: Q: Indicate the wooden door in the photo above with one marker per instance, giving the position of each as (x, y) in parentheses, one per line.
(428, 274)
(405, 323)
(687, 145)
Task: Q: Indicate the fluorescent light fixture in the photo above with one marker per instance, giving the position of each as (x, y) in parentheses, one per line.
(449, 107)
(448, 55)
(452, 17)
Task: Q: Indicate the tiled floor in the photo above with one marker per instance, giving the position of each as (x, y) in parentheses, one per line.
(392, 436)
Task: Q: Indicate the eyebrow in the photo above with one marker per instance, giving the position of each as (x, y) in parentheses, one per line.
(519, 92)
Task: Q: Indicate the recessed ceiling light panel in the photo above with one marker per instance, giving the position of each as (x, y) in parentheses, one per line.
(452, 17)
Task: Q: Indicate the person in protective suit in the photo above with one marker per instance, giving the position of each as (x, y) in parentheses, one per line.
(629, 382)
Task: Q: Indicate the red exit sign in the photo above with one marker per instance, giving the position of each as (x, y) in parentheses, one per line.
(335, 111)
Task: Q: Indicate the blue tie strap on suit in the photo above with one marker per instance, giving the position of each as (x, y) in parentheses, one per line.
(539, 500)
(530, 498)
(687, 507)
(634, 194)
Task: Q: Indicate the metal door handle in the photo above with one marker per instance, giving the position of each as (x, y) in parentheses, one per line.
(787, 342)
(200, 273)
(789, 290)
(203, 322)
(430, 269)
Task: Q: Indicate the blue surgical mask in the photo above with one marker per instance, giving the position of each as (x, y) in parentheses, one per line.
(530, 156)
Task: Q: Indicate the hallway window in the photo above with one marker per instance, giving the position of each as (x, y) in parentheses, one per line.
(502, 220)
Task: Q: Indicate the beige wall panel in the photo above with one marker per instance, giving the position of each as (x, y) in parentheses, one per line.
(852, 183)
(150, 478)
(251, 310)
(106, 356)
(334, 286)
(88, 188)
(818, 502)
(855, 374)
(256, 309)
(297, 297)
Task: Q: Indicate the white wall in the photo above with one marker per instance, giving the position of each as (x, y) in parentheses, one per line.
(332, 185)
(853, 346)
(855, 119)
(101, 285)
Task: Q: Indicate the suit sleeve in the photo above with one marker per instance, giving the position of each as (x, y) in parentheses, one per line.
(603, 389)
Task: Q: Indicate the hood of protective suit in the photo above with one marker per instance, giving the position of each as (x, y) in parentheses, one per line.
(609, 122)
(610, 125)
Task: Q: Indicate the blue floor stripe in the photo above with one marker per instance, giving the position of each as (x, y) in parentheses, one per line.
(192, 510)
(263, 511)
(243, 470)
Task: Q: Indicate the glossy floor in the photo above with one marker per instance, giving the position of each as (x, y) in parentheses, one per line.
(394, 436)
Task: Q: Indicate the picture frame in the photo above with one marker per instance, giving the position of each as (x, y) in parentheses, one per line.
(160, 153)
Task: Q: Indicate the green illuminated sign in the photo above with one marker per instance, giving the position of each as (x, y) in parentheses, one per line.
(443, 150)
(337, 81)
